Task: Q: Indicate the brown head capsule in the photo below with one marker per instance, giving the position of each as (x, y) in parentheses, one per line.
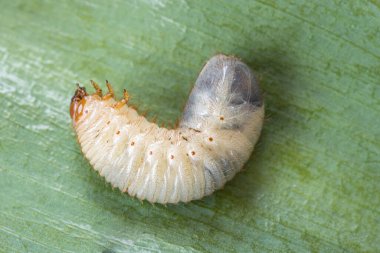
(78, 102)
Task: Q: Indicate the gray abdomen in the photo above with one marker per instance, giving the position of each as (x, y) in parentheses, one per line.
(226, 96)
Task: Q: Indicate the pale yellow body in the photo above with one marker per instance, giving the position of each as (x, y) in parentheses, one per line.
(176, 165)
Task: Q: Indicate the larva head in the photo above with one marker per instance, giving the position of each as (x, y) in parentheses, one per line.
(77, 103)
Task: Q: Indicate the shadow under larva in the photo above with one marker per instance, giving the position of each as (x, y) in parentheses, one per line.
(221, 123)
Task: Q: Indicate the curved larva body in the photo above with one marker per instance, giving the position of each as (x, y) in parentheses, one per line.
(221, 123)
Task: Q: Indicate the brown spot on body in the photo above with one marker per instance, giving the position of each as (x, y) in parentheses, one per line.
(118, 132)
(150, 153)
(132, 143)
(210, 139)
(108, 122)
(193, 153)
(172, 157)
(221, 118)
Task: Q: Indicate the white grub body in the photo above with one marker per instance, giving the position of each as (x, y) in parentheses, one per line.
(222, 122)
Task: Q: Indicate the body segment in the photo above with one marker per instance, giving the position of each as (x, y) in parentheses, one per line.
(221, 123)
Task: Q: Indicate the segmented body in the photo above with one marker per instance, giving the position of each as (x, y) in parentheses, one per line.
(220, 126)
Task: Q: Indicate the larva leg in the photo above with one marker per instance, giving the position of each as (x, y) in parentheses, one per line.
(98, 91)
(110, 93)
(122, 102)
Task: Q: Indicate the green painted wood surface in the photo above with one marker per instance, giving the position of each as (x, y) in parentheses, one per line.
(313, 183)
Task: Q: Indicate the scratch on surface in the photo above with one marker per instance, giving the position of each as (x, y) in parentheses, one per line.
(175, 23)
(54, 188)
(36, 128)
(157, 4)
(337, 36)
(18, 236)
(89, 229)
(90, 232)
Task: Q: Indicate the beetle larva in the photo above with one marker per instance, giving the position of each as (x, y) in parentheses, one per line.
(221, 123)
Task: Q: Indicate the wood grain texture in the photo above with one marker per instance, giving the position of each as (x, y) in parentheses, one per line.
(312, 184)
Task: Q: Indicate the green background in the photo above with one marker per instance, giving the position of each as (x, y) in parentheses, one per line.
(312, 184)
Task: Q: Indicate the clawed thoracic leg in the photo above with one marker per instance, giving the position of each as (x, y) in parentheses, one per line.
(124, 101)
(110, 93)
(98, 91)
